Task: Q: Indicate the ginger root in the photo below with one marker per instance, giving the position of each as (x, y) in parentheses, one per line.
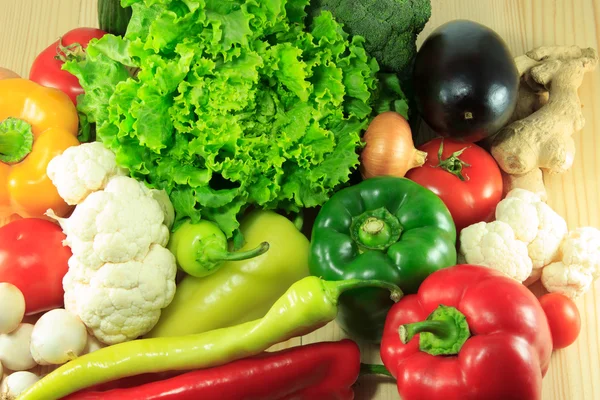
(532, 181)
(548, 113)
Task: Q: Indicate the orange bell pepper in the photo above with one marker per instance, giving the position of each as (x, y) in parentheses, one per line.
(36, 125)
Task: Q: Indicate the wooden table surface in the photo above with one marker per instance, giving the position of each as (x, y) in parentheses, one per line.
(28, 26)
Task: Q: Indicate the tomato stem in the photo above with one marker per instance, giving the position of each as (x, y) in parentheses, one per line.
(453, 164)
(72, 52)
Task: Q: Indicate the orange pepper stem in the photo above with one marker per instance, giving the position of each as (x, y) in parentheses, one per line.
(16, 140)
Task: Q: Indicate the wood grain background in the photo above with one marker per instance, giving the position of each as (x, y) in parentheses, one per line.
(28, 26)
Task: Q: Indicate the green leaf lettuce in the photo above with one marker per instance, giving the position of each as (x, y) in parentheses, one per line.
(233, 103)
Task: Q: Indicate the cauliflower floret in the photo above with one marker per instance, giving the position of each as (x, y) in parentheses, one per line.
(552, 229)
(579, 263)
(525, 195)
(122, 301)
(165, 204)
(82, 170)
(521, 216)
(494, 245)
(582, 246)
(117, 224)
(534, 223)
(571, 280)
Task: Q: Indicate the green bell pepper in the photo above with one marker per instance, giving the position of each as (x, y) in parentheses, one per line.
(384, 228)
(201, 248)
(239, 291)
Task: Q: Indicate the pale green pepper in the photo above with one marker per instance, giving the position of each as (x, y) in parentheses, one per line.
(239, 291)
(201, 248)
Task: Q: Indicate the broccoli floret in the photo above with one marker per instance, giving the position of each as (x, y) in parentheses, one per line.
(390, 28)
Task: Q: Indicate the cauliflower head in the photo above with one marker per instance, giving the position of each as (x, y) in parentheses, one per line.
(578, 265)
(494, 245)
(120, 275)
(116, 225)
(534, 223)
(82, 170)
(121, 301)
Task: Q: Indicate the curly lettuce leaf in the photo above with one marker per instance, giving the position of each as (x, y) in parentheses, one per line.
(234, 103)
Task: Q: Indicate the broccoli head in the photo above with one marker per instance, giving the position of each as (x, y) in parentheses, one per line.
(390, 28)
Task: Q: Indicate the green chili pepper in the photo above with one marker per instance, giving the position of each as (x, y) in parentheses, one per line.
(384, 228)
(239, 291)
(201, 248)
(306, 306)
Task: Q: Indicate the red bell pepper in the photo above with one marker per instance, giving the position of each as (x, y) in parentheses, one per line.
(316, 371)
(470, 333)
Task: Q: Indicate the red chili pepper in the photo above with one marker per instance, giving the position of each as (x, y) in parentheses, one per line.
(483, 336)
(318, 371)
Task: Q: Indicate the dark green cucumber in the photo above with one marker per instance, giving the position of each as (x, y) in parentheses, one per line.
(112, 17)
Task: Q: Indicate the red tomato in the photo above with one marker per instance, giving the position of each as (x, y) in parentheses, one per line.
(471, 200)
(563, 318)
(33, 258)
(46, 69)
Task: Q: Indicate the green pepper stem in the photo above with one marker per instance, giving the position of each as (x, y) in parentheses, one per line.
(16, 140)
(218, 255)
(441, 329)
(452, 164)
(373, 226)
(335, 288)
(443, 333)
(374, 369)
(375, 229)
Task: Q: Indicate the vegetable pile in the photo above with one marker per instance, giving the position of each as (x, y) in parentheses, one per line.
(156, 185)
(233, 104)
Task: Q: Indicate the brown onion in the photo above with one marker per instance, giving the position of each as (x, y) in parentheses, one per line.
(389, 150)
(7, 74)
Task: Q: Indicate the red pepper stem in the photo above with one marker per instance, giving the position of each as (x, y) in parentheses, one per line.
(218, 255)
(16, 140)
(334, 289)
(441, 329)
(444, 332)
(374, 369)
